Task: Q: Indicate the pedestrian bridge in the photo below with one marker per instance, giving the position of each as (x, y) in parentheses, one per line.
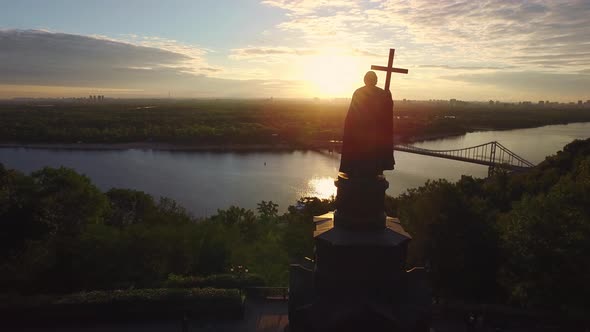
(492, 154)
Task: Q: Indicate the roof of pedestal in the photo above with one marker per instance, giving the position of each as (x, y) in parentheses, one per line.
(393, 236)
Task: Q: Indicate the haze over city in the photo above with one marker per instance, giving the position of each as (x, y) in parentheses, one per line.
(471, 50)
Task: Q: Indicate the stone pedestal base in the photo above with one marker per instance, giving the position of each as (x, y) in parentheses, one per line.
(359, 282)
(360, 203)
(365, 263)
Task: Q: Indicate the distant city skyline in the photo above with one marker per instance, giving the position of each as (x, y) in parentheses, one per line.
(469, 50)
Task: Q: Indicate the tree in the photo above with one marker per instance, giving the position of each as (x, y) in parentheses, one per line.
(545, 238)
(244, 219)
(298, 233)
(451, 233)
(68, 201)
(170, 212)
(17, 218)
(234, 215)
(312, 206)
(130, 207)
(268, 210)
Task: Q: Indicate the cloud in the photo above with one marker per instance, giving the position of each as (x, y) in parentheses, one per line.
(35, 56)
(464, 67)
(211, 69)
(257, 52)
(365, 53)
(302, 7)
(42, 58)
(284, 52)
(507, 41)
(509, 49)
(530, 34)
(553, 85)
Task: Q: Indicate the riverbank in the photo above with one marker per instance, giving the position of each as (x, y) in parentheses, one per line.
(229, 147)
(248, 125)
(207, 181)
(153, 146)
(462, 132)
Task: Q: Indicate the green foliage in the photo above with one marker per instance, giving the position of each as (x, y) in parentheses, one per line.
(68, 201)
(229, 122)
(63, 235)
(202, 295)
(451, 232)
(521, 238)
(518, 238)
(169, 211)
(96, 306)
(297, 237)
(216, 281)
(19, 223)
(235, 215)
(546, 237)
(268, 210)
(244, 219)
(180, 122)
(311, 206)
(129, 207)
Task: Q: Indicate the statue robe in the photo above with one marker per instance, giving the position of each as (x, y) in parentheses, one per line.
(367, 147)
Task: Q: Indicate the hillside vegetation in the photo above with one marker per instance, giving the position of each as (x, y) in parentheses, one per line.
(518, 238)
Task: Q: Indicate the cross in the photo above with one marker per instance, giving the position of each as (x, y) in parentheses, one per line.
(389, 69)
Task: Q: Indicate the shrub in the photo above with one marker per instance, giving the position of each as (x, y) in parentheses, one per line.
(142, 304)
(215, 280)
(152, 295)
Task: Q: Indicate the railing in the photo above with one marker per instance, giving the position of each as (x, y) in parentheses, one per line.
(492, 154)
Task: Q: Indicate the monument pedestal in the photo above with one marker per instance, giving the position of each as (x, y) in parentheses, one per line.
(359, 281)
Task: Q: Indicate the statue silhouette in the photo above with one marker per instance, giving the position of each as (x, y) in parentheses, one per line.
(367, 147)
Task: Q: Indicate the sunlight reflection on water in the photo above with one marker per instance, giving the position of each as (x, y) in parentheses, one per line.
(205, 181)
(321, 187)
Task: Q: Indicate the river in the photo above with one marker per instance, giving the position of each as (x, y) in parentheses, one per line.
(206, 181)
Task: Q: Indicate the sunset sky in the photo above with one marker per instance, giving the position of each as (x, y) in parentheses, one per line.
(472, 50)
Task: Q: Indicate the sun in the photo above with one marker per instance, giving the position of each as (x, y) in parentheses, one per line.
(330, 74)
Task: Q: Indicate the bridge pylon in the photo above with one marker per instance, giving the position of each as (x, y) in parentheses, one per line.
(491, 154)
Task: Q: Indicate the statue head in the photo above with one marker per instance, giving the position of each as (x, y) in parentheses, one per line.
(370, 78)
